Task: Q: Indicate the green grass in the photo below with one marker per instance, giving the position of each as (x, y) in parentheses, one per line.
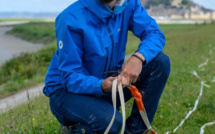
(33, 117)
(36, 32)
(25, 70)
(188, 46)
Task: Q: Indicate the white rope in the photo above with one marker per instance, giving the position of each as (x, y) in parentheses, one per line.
(213, 80)
(210, 52)
(207, 124)
(121, 95)
(196, 103)
(143, 114)
(114, 106)
(203, 64)
(195, 74)
(122, 101)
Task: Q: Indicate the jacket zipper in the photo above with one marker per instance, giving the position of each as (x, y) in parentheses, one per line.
(106, 62)
(111, 36)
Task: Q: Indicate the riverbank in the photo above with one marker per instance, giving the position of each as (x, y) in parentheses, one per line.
(12, 46)
(23, 63)
(21, 97)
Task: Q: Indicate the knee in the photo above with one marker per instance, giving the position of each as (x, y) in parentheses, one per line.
(162, 62)
(117, 124)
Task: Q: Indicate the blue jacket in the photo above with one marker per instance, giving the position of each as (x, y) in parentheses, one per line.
(92, 40)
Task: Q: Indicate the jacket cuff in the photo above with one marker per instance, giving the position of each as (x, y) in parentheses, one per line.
(99, 87)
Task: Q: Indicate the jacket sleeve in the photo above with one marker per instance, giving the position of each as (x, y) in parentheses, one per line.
(75, 78)
(146, 28)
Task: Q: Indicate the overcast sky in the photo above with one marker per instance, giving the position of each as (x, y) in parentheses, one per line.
(58, 5)
(206, 3)
(34, 5)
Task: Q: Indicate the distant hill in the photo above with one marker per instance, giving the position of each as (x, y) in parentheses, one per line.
(176, 9)
(28, 15)
(175, 4)
(166, 3)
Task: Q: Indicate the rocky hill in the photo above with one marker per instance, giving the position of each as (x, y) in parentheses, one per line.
(176, 9)
(185, 4)
(167, 3)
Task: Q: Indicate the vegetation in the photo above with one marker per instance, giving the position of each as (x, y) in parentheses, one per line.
(29, 68)
(27, 19)
(24, 71)
(188, 46)
(33, 117)
(185, 2)
(30, 32)
(157, 2)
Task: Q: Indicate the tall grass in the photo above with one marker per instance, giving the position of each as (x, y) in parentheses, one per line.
(37, 32)
(34, 117)
(26, 70)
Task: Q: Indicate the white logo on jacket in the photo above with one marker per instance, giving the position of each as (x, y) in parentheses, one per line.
(60, 44)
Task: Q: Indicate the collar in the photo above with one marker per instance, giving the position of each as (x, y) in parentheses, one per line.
(101, 10)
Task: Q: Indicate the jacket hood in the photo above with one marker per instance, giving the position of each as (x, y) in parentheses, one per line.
(102, 10)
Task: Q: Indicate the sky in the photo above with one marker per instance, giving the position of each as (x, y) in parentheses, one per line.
(34, 5)
(206, 3)
(58, 5)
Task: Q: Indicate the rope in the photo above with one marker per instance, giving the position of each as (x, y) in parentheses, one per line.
(138, 99)
(203, 64)
(196, 103)
(207, 124)
(122, 101)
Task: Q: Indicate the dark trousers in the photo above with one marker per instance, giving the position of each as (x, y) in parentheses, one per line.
(92, 114)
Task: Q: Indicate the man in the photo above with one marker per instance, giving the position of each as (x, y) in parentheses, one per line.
(92, 36)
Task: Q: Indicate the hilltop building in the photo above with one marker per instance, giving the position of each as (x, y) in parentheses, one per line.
(176, 3)
(195, 12)
(213, 15)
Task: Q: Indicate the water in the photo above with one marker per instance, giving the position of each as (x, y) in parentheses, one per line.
(11, 46)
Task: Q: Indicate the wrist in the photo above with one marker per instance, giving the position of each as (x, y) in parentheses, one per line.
(104, 87)
(140, 57)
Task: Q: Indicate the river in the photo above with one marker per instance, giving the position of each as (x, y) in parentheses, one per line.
(11, 46)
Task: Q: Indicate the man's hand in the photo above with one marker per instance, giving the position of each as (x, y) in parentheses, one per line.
(131, 70)
(107, 84)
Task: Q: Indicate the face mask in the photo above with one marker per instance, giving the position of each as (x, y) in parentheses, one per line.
(120, 2)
